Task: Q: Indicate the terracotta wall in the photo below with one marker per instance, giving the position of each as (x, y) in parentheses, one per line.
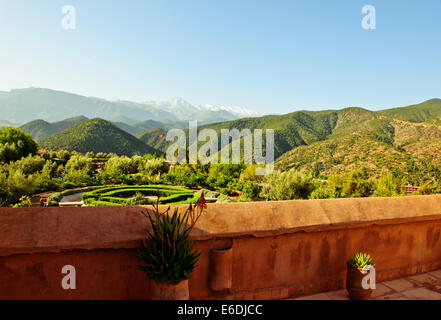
(276, 249)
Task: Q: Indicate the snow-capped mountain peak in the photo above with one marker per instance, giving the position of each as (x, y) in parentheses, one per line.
(187, 111)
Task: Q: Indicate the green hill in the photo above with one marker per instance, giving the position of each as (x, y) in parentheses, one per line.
(403, 140)
(336, 141)
(40, 129)
(154, 138)
(409, 150)
(428, 111)
(126, 127)
(70, 122)
(97, 135)
(290, 130)
(147, 125)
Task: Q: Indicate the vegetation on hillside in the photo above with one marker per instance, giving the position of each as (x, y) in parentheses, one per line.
(97, 135)
(351, 152)
(40, 129)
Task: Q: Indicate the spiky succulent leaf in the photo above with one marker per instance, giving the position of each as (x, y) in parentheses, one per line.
(361, 260)
(168, 252)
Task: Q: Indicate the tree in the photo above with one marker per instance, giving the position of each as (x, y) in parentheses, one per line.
(429, 187)
(117, 168)
(331, 190)
(287, 185)
(15, 144)
(356, 185)
(388, 186)
(79, 170)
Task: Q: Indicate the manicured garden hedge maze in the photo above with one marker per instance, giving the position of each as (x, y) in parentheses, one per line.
(122, 195)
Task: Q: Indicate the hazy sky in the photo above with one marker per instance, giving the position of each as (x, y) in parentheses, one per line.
(269, 56)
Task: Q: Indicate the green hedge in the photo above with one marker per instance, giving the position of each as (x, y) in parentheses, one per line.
(115, 195)
(56, 197)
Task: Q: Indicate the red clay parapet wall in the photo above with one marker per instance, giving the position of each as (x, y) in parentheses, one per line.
(262, 250)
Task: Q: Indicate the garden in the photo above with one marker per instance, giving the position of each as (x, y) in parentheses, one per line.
(27, 173)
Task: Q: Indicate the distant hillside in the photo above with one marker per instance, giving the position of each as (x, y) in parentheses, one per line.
(336, 141)
(126, 127)
(40, 129)
(24, 105)
(409, 150)
(97, 135)
(291, 130)
(70, 122)
(404, 140)
(154, 138)
(147, 125)
(428, 111)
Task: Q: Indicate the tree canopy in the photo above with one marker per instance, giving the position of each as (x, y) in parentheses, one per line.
(15, 144)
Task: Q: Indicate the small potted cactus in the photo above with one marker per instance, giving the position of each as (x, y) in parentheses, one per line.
(358, 268)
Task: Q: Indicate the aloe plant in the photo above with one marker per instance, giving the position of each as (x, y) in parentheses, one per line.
(169, 251)
(361, 260)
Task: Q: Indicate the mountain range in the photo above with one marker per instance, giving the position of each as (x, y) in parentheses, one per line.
(404, 140)
(24, 105)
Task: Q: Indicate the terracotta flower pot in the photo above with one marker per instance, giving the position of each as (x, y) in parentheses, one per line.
(354, 279)
(163, 291)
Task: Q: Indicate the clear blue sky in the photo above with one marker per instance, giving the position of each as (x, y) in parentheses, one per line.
(269, 56)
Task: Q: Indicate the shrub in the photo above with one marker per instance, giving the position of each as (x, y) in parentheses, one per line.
(330, 190)
(29, 164)
(154, 166)
(168, 251)
(101, 155)
(429, 187)
(287, 185)
(56, 197)
(78, 170)
(356, 185)
(79, 163)
(209, 194)
(117, 168)
(249, 190)
(8, 153)
(388, 186)
(179, 175)
(121, 195)
(323, 192)
(223, 199)
(17, 185)
(16, 144)
(249, 173)
(24, 201)
(63, 155)
(138, 199)
(43, 181)
(78, 178)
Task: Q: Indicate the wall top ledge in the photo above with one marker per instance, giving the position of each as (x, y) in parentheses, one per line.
(33, 230)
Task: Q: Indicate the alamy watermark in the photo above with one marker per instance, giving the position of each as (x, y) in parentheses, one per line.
(368, 281)
(209, 151)
(69, 281)
(69, 19)
(368, 22)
